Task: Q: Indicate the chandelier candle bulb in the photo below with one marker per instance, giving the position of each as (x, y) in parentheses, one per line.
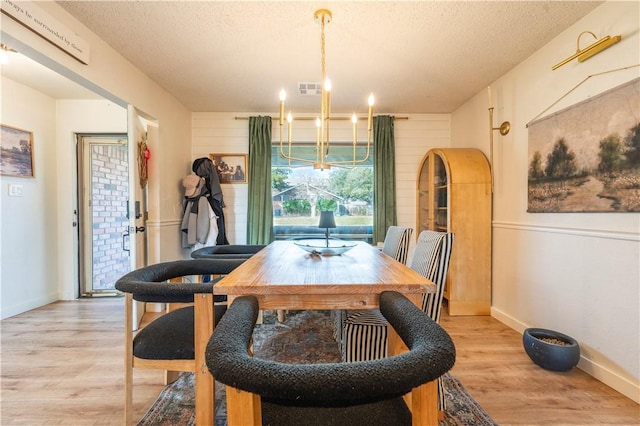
(354, 120)
(318, 132)
(327, 119)
(283, 96)
(327, 88)
(370, 112)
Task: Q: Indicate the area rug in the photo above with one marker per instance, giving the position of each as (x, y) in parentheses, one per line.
(304, 337)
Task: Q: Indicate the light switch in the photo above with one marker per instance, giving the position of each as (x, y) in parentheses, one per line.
(15, 190)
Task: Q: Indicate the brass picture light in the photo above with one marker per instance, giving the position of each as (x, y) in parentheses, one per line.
(593, 49)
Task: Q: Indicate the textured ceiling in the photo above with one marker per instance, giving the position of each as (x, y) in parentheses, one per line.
(415, 56)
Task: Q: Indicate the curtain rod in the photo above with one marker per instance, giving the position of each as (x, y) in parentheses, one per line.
(313, 118)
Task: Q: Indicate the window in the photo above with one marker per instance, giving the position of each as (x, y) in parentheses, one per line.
(300, 193)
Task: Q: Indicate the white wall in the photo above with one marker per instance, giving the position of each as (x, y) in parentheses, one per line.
(222, 133)
(170, 161)
(72, 117)
(37, 232)
(575, 273)
(28, 223)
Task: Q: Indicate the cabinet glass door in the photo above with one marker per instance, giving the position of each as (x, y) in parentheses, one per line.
(441, 194)
(424, 202)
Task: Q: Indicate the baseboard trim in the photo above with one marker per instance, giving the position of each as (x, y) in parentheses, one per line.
(610, 378)
(24, 306)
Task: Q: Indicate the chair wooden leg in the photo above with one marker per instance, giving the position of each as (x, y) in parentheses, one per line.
(204, 392)
(280, 316)
(243, 408)
(424, 404)
(128, 360)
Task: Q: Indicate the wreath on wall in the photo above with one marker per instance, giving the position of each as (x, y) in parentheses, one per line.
(143, 158)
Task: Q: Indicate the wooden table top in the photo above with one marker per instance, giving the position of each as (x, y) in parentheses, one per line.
(282, 268)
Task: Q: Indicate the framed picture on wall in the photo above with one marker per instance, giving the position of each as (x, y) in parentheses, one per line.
(231, 168)
(585, 158)
(17, 152)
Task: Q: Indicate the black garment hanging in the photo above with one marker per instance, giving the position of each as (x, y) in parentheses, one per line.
(204, 167)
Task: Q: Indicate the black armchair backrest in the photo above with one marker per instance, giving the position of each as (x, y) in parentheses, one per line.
(232, 251)
(148, 284)
(431, 354)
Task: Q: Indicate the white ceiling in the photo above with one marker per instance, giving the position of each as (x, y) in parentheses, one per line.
(415, 56)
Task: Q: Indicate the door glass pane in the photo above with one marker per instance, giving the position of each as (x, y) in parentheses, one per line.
(109, 192)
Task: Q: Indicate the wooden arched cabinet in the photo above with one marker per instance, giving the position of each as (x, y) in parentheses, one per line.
(454, 195)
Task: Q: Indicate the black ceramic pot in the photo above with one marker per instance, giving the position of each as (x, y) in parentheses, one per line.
(551, 356)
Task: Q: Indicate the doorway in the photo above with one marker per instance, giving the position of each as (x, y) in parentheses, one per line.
(103, 212)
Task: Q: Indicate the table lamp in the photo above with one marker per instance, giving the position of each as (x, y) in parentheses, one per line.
(327, 221)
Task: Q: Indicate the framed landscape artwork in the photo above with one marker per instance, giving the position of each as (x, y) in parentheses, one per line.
(16, 156)
(586, 158)
(231, 168)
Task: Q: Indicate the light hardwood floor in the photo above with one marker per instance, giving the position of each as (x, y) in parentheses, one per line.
(62, 364)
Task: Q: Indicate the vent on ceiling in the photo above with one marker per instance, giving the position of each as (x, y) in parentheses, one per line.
(309, 88)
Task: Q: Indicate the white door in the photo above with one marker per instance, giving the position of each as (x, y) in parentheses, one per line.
(137, 235)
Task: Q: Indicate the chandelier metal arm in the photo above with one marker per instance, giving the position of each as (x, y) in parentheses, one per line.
(323, 122)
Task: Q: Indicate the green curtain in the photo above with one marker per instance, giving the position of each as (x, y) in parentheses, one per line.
(384, 177)
(260, 210)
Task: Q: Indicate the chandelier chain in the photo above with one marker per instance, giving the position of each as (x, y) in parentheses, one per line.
(322, 55)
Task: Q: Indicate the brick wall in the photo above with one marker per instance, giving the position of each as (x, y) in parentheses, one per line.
(109, 200)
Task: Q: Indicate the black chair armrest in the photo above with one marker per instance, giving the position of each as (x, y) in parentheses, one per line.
(148, 284)
(431, 354)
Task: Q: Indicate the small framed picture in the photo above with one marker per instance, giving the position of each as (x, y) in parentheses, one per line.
(231, 168)
(17, 152)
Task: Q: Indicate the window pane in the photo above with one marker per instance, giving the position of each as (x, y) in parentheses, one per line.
(336, 153)
(300, 193)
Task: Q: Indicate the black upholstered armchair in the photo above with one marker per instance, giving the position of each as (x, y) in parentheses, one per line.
(366, 392)
(234, 251)
(174, 341)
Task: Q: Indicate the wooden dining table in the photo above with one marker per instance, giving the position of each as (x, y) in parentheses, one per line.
(282, 276)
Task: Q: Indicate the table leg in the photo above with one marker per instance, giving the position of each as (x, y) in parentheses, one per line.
(423, 400)
(243, 408)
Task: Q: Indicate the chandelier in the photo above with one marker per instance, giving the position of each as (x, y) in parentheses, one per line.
(321, 160)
